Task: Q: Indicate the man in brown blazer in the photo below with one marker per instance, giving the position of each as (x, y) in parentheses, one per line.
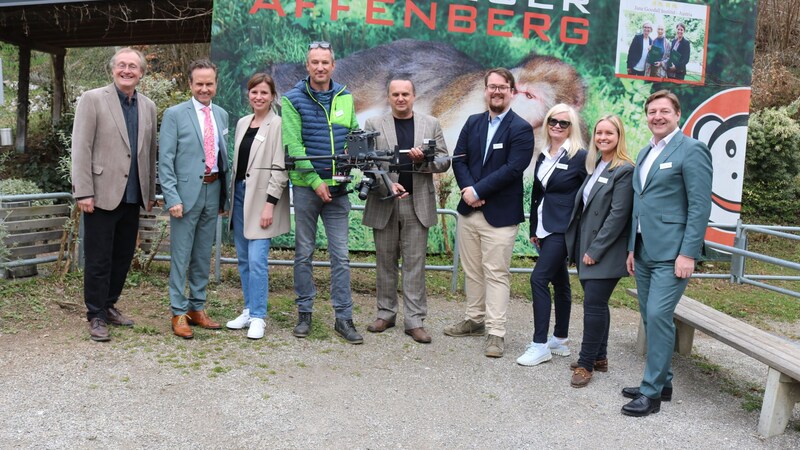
(400, 225)
(113, 175)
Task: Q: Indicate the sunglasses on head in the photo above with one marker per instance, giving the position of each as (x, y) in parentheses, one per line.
(319, 44)
(561, 123)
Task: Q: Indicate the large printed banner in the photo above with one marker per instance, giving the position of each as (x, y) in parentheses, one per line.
(600, 56)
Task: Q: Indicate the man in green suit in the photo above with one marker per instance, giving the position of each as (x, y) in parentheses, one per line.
(193, 169)
(671, 206)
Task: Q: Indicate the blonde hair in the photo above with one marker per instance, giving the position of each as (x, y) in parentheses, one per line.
(620, 152)
(575, 139)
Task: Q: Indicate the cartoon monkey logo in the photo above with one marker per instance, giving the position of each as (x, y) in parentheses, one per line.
(721, 122)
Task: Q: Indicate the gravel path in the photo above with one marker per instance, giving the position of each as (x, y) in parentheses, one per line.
(222, 391)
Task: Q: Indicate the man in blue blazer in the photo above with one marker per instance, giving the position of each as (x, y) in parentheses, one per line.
(637, 52)
(671, 206)
(193, 170)
(493, 150)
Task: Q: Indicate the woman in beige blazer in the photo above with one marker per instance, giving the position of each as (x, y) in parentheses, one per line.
(260, 199)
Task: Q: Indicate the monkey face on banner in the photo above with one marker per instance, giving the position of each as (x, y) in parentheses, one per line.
(721, 122)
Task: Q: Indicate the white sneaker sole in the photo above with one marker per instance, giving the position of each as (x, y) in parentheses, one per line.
(528, 363)
(561, 352)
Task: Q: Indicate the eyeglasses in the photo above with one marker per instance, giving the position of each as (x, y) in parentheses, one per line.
(496, 88)
(561, 123)
(319, 44)
(123, 66)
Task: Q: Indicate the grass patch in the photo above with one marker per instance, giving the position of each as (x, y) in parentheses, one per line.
(750, 394)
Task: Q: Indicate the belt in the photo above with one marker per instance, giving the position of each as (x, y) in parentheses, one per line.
(210, 178)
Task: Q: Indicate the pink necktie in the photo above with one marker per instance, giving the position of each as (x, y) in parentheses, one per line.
(208, 140)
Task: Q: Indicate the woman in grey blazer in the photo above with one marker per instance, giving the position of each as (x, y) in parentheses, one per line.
(260, 199)
(597, 239)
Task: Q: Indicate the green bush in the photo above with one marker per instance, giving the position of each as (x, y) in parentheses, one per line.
(15, 186)
(771, 190)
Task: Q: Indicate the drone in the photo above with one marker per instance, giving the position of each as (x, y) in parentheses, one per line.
(361, 155)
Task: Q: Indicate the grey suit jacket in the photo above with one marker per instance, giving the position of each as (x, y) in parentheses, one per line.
(377, 211)
(265, 154)
(101, 152)
(600, 228)
(181, 160)
(674, 204)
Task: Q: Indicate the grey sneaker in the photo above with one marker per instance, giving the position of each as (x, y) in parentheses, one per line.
(495, 345)
(466, 328)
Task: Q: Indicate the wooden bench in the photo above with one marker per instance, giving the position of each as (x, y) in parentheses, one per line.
(32, 231)
(782, 356)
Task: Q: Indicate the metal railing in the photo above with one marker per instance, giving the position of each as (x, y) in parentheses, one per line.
(739, 253)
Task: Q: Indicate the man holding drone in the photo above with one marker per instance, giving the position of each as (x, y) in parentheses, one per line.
(318, 113)
(400, 225)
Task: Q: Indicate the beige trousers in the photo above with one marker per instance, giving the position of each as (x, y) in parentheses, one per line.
(485, 253)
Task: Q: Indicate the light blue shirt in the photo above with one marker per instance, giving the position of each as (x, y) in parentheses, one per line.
(494, 124)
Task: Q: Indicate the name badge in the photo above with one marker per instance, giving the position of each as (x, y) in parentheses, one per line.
(603, 180)
(224, 131)
(561, 166)
(666, 165)
(260, 138)
(339, 113)
(498, 145)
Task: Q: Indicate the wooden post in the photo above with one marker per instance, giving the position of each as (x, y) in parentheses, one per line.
(22, 98)
(58, 88)
(780, 395)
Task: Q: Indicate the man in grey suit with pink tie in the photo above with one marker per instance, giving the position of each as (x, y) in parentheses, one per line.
(113, 175)
(671, 207)
(400, 225)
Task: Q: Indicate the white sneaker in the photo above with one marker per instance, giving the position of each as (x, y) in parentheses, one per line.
(256, 330)
(535, 354)
(558, 346)
(240, 322)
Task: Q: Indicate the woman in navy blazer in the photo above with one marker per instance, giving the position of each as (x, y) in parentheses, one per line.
(597, 239)
(560, 171)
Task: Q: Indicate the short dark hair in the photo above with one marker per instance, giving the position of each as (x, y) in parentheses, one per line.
(259, 78)
(503, 72)
(201, 64)
(664, 93)
(403, 77)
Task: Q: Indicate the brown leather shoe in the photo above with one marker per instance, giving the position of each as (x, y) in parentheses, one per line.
(115, 317)
(201, 319)
(419, 335)
(180, 326)
(600, 365)
(380, 325)
(98, 330)
(580, 377)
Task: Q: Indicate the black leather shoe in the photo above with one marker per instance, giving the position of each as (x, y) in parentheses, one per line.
(633, 392)
(642, 406)
(348, 331)
(303, 325)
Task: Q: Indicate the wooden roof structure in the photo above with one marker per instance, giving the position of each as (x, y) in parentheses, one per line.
(53, 26)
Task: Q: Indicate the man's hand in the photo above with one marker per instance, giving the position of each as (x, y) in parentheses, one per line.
(266, 215)
(399, 190)
(684, 266)
(629, 264)
(588, 260)
(324, 193)
(416, 155)
(150, 205)
(469, 198)
(176, 211)
(86, 205)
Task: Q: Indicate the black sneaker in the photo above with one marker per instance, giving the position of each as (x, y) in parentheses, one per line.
(348, 331)
(303, 325)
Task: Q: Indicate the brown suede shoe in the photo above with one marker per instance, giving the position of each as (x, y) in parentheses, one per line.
(580, 377)
(419, 335)
(201, 319)
(115, 317)
(600, 365)
(98, 330)
(380, 325)
(180, 327)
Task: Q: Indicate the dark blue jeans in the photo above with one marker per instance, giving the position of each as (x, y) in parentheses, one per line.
(551, 268)
(596, 320)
